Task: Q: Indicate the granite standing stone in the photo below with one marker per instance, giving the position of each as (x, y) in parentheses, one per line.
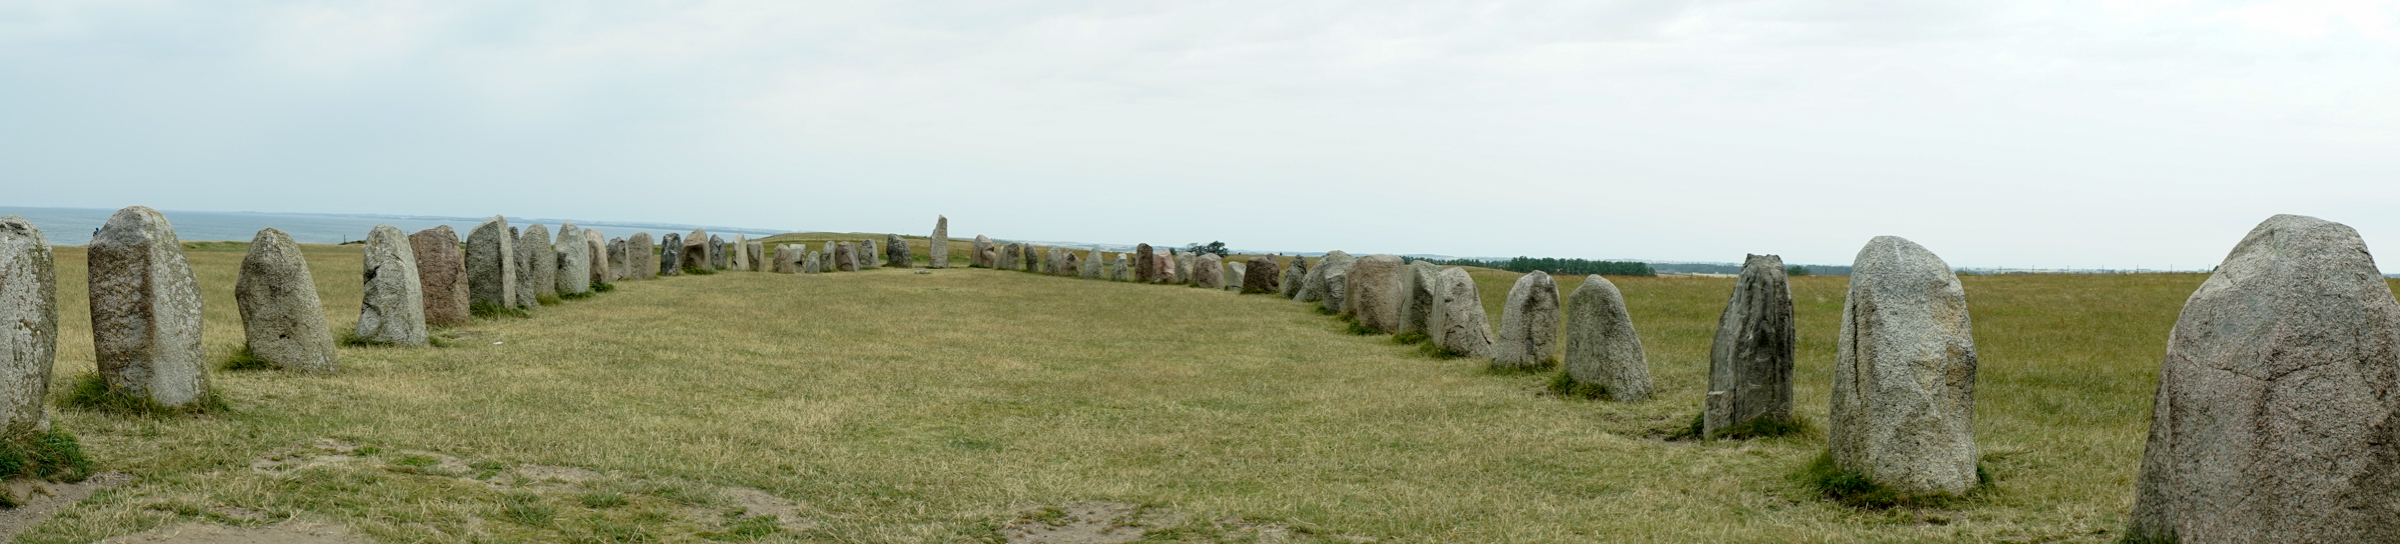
(757, 251)
(492, 265)
(983, 256)
(1035, 262)
(1208, 271)
(1332, 281)
(716, 252)
(1528, 322)
(825, 258)
(670, 255)
(1183, 268)
(1312, 283)
(392, 309)
(595, 247)
(845, 257)
(1602, 347)
(1372, 297)
(1750, 363)
(641, 257)
(617, 257)
(1459, 325)
(1145, 268)
(1165, 265)
(539, 264)
(1122, 269)
(2276, 409)
(1093, 265)
(737, 253)
(1904, 374)
(868, 256)
(29, 344)
(1295, 274)
(145, 309)
(1417, 297)
(1261, 276)
(441, 271)
(695, 250)
(1007, 257)
(937, 251)
(574, 261)
(782, 263)
(814, 263)
(895, 251)
(1235, 274)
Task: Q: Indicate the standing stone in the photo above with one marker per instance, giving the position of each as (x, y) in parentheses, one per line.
(738, 253)
(1294, 275)
(145, 309)
(670, 255)
(716, 252)
(782, 263)
(1121, 270)
(1183, 268)
(983, 256)
(1602, 347)
(1750, 364)
(1904, 375)
(895, 251)
(2276, 406)
(1166, 267)
(392, 310)
(1459, 325)
(825, 258)
(1261, 276)
(539, 264)
(695, 250)
(815, 263)
(755, 251)
(1235, 273)
(441, 274)
(1093, 264)
(641, 259)
(596, 247)
(1312, 285)
(868, 257)
(1007, 257)
(1417, 297)
(845, 257)
(1035, 261)
(1528, 323)
(1328, 282)
(1063, 262)
(492, 265)
(617, 270)
(1373, 292)
(1208, 271)
(937, 251)
(29, 344)
(574, 261)
(1145, 268)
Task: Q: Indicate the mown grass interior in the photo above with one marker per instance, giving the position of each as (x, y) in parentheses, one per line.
(901, 407)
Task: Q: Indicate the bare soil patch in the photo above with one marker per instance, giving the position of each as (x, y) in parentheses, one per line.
(44, 499)
(209, 533)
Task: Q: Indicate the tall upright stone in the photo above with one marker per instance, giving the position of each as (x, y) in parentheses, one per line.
(29, 344)
(1069, 262)
(1295, 273)
(1122, 269)
(756, 251)
(596, 248)
(441, 275)
(1145, 269)
(1006, 258)
(716, 252)
(1035, 260)
(1165, 265)
(737, 252)
(1235, 274)
(574, 261)
(1261, 276)
(641, 257)
(617, 269)
(1330, 281)
(1602, 347)
(1528, 322)
(937, 251)
(1750, 363)
(695, 250)
(1904, 376)
(869, 256)
(1417, 297)
(845, 257)
(1093, 266)
(145, 309)
(539, 264)
(492, 265)
(1183, 268)
(984, 255)
(2276, 409)
(1372, 296)
(670, 255)
(392, 308)
(1208, 271)
(896, 253)
(1459, 325)
(1312, 282)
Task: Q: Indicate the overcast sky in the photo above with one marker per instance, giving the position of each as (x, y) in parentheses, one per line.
(2056, 134)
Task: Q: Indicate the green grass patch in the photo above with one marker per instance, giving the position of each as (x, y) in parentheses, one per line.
(1565, 386)
(527, 509)
(1410, 338)
(1498, 370)
(1766, 428)
(602, 499)
(603, 287)
(242, 359)
(1351, 326)
(745, 529)
(1851, 488)
(577, 296)
(698, 271)
(54, 456)
(1436, 351)
(90, 392)
(546, 300)
(488, 310)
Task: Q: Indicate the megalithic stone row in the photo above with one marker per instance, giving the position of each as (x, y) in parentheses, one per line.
(845, 257)
(1904, 374)
(737, 252)
(492, 264)
(1208, 271)
(1094, 265)
(984, 255)
(1459, 326)
(1145, 268)
(441, 274)
(617, 269)
(1602, 347)
(896, 253)
(716, 252)
(1235, 274)
(29, 344)
(2276, 406)
(695, 254)
(1750, 362)
(781, 259)
(670, 255)
(1372, 297)
(641, 257)
(537, 264)
(757, 251)
(1417, 297)
(937, 251)
(283, 321)
(574, 260)
(145, 310)
(1261, 275)
(596, 248)
(1528, 323)
(1121, 269)
(392, 308)
(1295, 274)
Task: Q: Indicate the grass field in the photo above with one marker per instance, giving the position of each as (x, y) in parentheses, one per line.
(886, 406)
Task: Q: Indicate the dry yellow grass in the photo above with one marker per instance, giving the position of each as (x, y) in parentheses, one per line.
(900, 407)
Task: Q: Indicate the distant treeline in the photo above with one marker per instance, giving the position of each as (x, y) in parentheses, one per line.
(1706, 268)
(1555, 266)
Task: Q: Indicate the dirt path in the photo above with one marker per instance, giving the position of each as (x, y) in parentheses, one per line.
(42, 506)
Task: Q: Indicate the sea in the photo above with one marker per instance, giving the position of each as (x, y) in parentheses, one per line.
(75, 226)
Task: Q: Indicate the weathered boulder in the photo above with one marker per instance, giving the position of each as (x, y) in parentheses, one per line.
(937, 251)
(1009, 255)
(641, 257)
(781, 261)
(1034, 259)
(754, 255)
(896, 253)
(695, 250)
(1092, 264)
(1602, 347)
(392, 309)
(1528, 322)
(825, 258)
(984, 255)
(1183, 268)
(845, 257)
(1262, 276)
(1295, 274)
(670, 255)
(441, 275)
(537, 266)
(2276, 408)
(815, 263)
(1333, 281)
(145, 309)
(1069, 262)
(574, 260)
(1145, 268)
(1750, 363)
(1122, 269)
(716, 252)
(1372, 297)
(617, 270)
(29, 344)
(1459, 325)
(868, 257)
(1417, 297)
(1165, 265)
(1235, 273)
(492, 265)
(596, 247)
(737, 253)
(1208, 270)
(1312, 282)
(1904, 374)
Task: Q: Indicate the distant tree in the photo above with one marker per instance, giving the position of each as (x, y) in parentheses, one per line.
(1211, 247)
(1796, 270)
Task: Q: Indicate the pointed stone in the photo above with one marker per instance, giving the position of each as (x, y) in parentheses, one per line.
(145, 309)
(392, 308)
(492, 265)
(596, 248)
(1372, 292)
(670, 255)
(1261, 276)
(537, 264)
(1904, 375)
(1093, 265)
(1417, 297)
(1528, 323)
(1750, 363)
(1295, 275)
(574, 261)
(815, 263)
(1235, 273)
(1602, 347)
(937, 251)
(1459, 326)
(29, 345)
(641, 257)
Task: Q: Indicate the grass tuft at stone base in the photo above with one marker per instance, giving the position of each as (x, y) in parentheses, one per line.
(603, 287)
(92, 393)
(242, 359)
(1854, 489)
(488, 310)
(698, 271)
(577, 296)
(1565, 386)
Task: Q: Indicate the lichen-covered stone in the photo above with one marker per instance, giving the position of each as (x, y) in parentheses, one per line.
(815, 263)
(737, 253)
(145, 308)
(1417, 297)
(757, 253)
(29, 345)
(1904, 375)
(1460, 326)
(896, 253)
(641, 257)
(537, 267)
(716, 253)
(441, 273)
(1208, 271)
(283, 321)
(1145, 268)
(868, 256)
(937, 251)
(1093, 265)
(617, 268)
(1372, 292)
(392, 308)
(1122, 269)
(1750, 363)
(595, 247)
(1602, 347)
(492, 264)
(1235, 274)
(845, 257)
(574, 260)
(1295, 275)
(984, 255)
(695, 250)
(1528, 323)
(1261, 275)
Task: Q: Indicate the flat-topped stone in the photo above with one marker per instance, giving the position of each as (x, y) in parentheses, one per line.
(29, 345)
(492, 264)
(1528, 323)
(145, 308)
(1372, 292)
(392, 308)
(1261, 275)
(441, 276)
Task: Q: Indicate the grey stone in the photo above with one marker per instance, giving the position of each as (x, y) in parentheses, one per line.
(737, 253)
(895, 252)
(670, 255)
(145, 309)
(1312, 282)
(1009, 255)
(782, 262)
(1145, 268)
(441, 274)
(392, 308)
(29, 344)
(282, 312)
(617, 269)
(2276, 409)
(868, 257)
(1122, 269)
(1372, 292)
(1069, 262)
(1904, 375)
(1295, 274)
(1459, 325)
(1329, 281)
(1035, 260)
(845, 257)
(574, 261)
(537, 264)
(1235, 274)
(1417, 297)
(815, 263)
(492, 264)
(716, 252)
(695, 250)
(1528, 322)
(825, 258)
(1208, 271)
(756, 253)
(984, 255)
(1602, 347)
(1750, 363)
(1262, 276)
(641, 257)
(937, 251)
(1183, 269)
(1093, 264)
(596, 248)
